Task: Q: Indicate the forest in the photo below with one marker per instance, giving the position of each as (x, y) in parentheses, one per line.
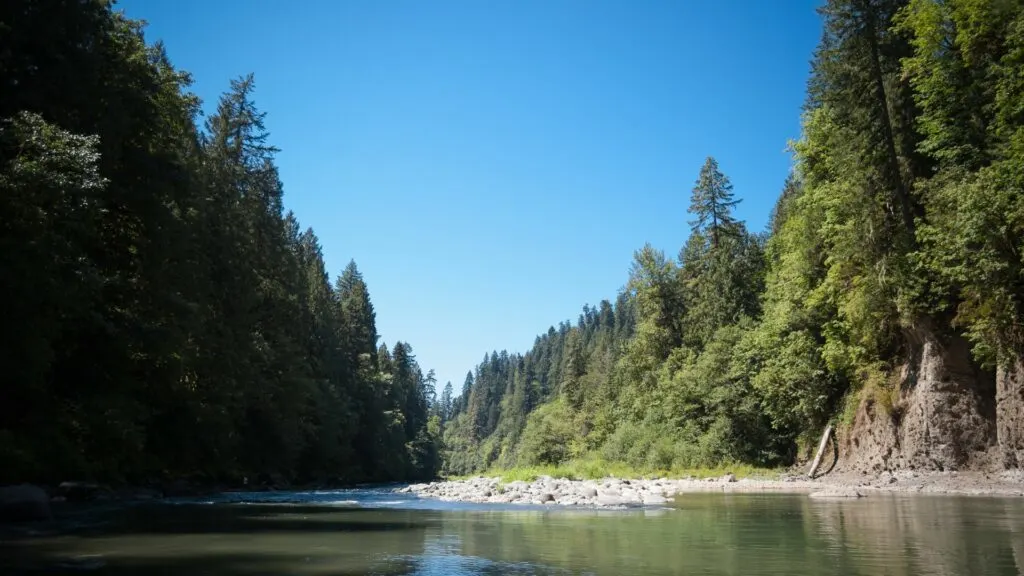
(163, 317)
(902, 222)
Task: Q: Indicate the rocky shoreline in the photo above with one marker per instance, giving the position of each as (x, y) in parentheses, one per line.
(625, 493)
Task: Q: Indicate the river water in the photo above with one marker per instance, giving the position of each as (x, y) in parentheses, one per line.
(375, 531)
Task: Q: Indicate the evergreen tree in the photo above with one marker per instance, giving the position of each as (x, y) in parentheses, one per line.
(712, 202)
(163, 317)
(446, 409)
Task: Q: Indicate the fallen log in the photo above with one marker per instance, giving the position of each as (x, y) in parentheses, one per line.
(821, 451)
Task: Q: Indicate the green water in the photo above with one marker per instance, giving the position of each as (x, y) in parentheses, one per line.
(704, 534)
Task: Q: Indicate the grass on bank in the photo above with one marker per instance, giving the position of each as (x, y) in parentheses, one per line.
(596, 469)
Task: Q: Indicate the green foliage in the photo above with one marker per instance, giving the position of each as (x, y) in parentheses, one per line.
(547, 435)
(721, 283)
(595, 468)
(966, 71)
(163, 317)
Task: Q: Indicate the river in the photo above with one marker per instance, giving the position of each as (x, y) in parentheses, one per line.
(375, 531)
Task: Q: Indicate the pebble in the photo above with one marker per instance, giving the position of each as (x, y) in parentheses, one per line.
(656, 493)
(837, 494)
(605, 493)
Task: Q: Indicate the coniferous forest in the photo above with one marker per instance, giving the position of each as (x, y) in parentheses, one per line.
(901, 223)
(163, 317)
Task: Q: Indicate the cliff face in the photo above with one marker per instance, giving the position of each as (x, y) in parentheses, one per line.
(1010, 414)
(949, 415)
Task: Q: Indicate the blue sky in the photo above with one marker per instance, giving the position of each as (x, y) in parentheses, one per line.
(492, 165)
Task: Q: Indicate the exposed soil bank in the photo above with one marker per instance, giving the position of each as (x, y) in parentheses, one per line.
(618, 493)
(944, 413)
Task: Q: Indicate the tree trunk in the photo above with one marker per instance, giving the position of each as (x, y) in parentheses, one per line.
(821, 450)
(893, 162)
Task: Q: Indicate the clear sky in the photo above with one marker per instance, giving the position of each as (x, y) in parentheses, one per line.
(491, 165)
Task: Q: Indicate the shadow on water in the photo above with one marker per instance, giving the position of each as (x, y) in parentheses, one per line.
(233, 539)
(235, 564)
(254, 519)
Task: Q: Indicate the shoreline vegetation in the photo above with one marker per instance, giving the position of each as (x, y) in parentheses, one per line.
(598, 470)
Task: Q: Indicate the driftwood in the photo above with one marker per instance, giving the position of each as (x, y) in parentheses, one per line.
(821, 451)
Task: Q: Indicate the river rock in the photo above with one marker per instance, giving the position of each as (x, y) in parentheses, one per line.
(837, 494)
(609, 500)
(24, 503)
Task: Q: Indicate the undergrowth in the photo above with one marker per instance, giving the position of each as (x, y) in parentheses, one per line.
(592, 469)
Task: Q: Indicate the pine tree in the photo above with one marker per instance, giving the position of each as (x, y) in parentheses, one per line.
(712, 202)
(467, 389)
(446, 408)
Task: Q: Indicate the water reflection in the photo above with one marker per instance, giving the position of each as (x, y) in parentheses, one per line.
(707, 534)
(931, 536)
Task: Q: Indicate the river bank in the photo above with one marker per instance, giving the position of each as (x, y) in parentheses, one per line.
(618, 492)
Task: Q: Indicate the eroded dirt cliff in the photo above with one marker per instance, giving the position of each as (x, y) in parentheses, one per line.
(949, 414)
(1010, 413)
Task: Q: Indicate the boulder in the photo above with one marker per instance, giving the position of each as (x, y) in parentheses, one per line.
(24, 503)
(609, 500)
